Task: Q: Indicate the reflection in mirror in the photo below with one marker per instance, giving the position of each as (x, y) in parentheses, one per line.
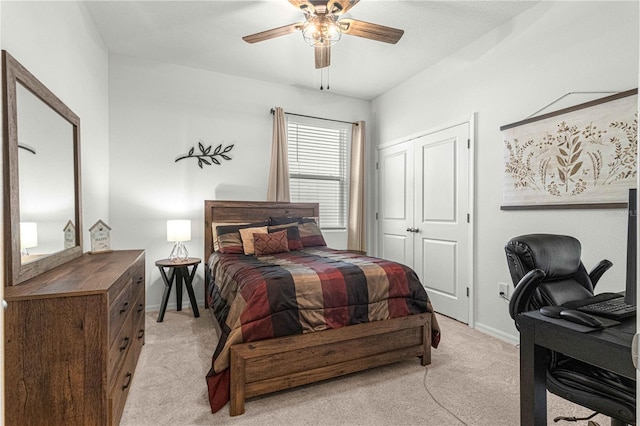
(41, 157)
(45, 175)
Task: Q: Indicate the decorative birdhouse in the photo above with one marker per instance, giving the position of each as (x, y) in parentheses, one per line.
(69, 235)
(100, 238)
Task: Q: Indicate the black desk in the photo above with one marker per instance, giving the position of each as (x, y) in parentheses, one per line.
(608, 348)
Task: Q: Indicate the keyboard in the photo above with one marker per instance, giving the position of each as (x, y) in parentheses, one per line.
(615, 308)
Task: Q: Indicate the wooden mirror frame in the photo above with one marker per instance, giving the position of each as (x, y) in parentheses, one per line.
(15, 271)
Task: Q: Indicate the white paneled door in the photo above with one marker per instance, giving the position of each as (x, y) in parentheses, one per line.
(441, 244)
(424, 209)
(395, 215)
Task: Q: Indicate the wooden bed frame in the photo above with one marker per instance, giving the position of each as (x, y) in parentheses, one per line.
(266, 366)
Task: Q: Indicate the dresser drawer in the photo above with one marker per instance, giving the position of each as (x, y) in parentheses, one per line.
(138, 275)
(120, 389)
(138, 286)
(120, 347)
(135, 273)
(138, 319)
(118, 312)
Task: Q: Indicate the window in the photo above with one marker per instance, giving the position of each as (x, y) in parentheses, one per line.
(318, 167)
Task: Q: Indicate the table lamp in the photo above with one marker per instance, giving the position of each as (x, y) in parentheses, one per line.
(28, 237)
(179, 231)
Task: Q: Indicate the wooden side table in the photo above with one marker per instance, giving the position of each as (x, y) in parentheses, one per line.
(178, 270)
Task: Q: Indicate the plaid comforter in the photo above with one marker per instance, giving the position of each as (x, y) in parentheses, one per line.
(257, 298)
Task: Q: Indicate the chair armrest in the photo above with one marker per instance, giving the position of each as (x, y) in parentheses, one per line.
(598, 271)
(522, 293)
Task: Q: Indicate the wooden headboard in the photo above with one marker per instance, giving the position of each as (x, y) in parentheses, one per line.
(249, 211)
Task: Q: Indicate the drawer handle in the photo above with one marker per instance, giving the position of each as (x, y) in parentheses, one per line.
(124, 307)
(140, 307)
(125, 343)
(140, 334)
(127, 381)
(140, 279)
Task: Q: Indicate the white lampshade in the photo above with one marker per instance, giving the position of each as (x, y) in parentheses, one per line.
(178, 230)
(28, 235)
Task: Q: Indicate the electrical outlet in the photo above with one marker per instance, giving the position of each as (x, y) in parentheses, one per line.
(503, 289)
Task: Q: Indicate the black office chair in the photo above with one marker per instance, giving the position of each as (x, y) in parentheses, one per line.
(546, 270)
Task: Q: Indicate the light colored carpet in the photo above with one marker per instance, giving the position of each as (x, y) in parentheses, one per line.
(473, 375)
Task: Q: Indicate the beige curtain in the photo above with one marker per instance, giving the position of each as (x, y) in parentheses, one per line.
(356, 227)
(278, 189)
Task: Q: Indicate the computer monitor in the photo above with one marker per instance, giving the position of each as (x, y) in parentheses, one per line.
(632, 246)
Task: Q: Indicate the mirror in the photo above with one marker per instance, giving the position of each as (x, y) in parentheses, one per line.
(43, 224)
(45, 148)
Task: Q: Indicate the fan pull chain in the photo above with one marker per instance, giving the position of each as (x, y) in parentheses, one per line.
(322, 79)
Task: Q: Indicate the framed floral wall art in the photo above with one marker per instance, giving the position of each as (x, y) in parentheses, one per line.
(584, 156)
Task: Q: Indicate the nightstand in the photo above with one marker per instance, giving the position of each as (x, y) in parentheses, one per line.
(178, 273)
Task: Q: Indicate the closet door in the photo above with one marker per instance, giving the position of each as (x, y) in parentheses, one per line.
(442, 241)
(395, 209)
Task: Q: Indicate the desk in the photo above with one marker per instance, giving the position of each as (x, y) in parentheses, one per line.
(608, 348)
(179, 270)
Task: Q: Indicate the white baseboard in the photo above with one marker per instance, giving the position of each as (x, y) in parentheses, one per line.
(497, 333)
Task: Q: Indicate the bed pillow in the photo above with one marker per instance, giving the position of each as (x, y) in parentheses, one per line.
(284, 220)
(293, 235)
(228, 237)
(310, 234)
(214, 233)
(246, 234)
(275, 242)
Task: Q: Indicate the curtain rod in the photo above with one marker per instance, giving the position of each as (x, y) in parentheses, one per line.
(317, 118)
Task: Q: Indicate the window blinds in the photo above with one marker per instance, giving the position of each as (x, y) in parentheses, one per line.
(318, 169)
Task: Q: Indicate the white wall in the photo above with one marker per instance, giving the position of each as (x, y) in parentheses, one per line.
(59, 44)
(158, 112)
(549, 50)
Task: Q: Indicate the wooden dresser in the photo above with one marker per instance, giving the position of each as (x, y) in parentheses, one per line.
(73, 337)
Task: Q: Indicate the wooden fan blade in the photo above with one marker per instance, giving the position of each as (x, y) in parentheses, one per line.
(370, 31)
(273, 33)
(323, 56)
(339, 7)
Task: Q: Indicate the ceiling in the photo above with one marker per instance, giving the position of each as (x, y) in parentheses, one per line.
(208, 35)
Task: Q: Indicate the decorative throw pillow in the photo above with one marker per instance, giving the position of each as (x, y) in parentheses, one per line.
(228, 236)
(247, 238)
(293, 235)
(273, 243)
(310, 234)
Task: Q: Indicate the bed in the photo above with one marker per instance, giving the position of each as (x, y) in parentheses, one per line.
(293, 317)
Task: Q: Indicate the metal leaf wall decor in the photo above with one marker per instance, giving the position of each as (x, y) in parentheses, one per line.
(205, 156)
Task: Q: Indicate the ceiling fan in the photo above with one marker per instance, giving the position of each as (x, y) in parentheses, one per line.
(324, 25)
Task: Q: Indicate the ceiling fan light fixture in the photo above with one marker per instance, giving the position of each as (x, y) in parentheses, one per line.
(321, 30)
